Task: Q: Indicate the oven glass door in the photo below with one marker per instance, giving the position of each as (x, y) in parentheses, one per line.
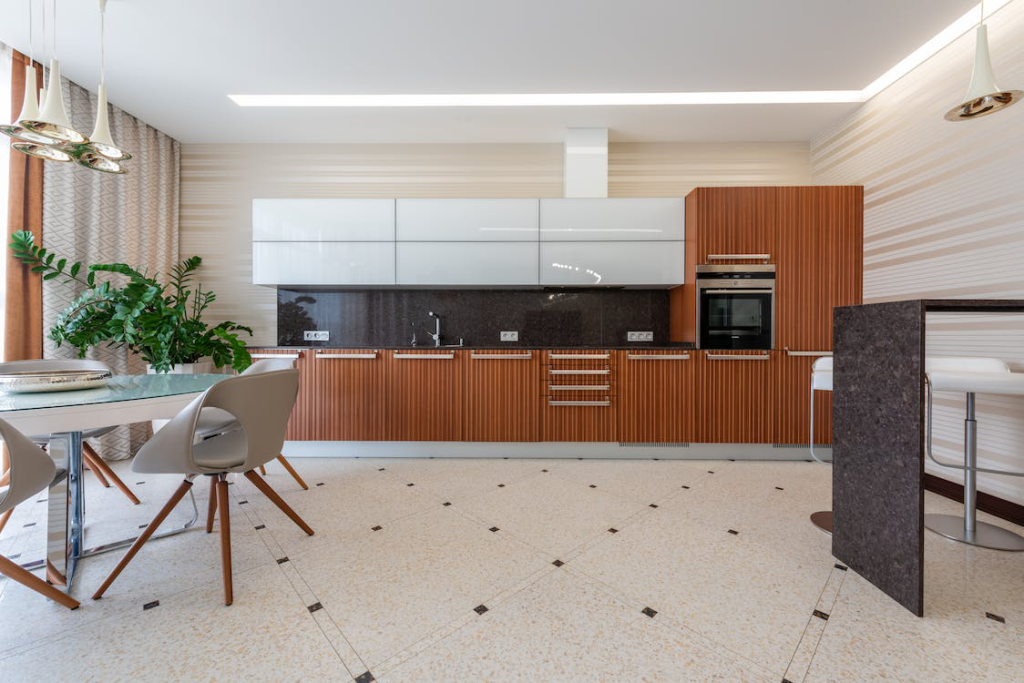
(736, 320)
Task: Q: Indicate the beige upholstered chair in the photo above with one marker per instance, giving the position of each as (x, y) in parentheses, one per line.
(90, 457)
(261, 404)
(213, 421)
(31, 471)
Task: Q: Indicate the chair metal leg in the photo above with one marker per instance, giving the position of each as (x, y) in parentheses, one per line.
(141, 540)
(99, 465)
(88, 463)
(968, 529)
(225, 537)
(211, 511)
(277, 500)
(26, 578)
(291, 470)
(823, 518)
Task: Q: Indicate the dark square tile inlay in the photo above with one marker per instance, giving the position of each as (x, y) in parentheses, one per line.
(376, 528)
(283, 560)
(14, 557)
(840, 567)
(315, 607)
(779, 488)
(653, 505)
(685, 486)
(995, 617)
(380, 469)
(480, 609)
(139, 483)
(821, 615)
(649, 612)
(543, 470)
(734, 532)
(366, 677)
(143, 526)
(150, 605)
(558, 563)
(501, 486)
(410, 484)
(261, 526)
(29, 524)
(446, 504)
(711, 471)
(613, 530)
(243, 502)
(593, 486)
(41, 500)
(494, 528)
(319, 483)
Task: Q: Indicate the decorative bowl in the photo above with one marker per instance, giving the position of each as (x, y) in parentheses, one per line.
(37, 381)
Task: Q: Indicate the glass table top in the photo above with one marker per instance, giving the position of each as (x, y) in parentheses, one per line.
(118, 388)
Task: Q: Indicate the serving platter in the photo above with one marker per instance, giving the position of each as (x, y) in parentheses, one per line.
(38, 381)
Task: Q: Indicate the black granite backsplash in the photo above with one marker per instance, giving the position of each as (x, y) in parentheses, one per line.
(543, 318)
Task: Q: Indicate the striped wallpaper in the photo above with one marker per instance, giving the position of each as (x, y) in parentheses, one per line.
(944, 217)
(219, 182)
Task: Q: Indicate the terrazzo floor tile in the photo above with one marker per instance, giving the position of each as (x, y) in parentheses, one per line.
(552, 514)
(266, 635)
(392, 587)
(643, 481)
(456, 479)
(566, 629)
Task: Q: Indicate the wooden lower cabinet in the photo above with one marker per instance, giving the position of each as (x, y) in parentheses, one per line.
(424, 395)
(734, 396)
(791, 386)
(657, 396)
(500, 398)
(349, 386)
(578, 390)
(301, 424)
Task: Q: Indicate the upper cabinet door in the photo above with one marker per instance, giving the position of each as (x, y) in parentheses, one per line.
(633, 220)
(467, 220)
(736, 221)
(626, 264)
(484, 264)
(323, 220)
(323, 263)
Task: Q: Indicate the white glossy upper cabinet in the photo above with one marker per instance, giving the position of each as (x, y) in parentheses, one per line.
(609, 264)
(323, 220)
(467, 220)
(589, 220)
(481, 264)
(323, 263)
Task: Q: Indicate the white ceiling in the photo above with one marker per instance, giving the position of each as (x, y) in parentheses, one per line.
(172, 63)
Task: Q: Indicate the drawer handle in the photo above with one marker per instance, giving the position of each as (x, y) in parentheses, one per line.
(501, 356)
(424, 356)
(727, 356)
(684, 356)
(580, 372)
(292, 356)
(739, 257)
(346, 355)
(581, 387)
(570, 356)
(599, 404)
(807, 353)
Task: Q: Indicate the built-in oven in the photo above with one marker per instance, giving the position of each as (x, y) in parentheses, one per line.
(736, 306)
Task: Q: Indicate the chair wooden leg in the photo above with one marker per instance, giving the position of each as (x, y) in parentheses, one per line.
(225, 538)
(5, 478)
(98, 464)
(263, 470)
(141, 540)
(4, 516)
(291, 470)
(88, 462)
(26, 578)
(211, 512)
(277, 500)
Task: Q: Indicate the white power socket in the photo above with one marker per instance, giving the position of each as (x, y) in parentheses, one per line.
(509, 335)
(640, 336)
(316, 335)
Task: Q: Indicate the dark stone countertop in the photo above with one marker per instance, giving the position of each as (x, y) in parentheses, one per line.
(680, 346)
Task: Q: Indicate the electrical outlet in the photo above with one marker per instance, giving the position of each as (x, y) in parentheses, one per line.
(509, 335)
(316, 335)
(640, 336)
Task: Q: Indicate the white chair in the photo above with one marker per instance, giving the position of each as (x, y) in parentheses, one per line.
(213, 421)
(971, 376)
(31, 471)
(821, 380)
(261, 404)
(92, 459)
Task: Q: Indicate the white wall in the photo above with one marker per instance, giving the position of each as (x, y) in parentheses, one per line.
(944, 218)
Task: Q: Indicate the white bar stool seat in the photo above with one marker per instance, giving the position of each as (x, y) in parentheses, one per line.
(971, 376)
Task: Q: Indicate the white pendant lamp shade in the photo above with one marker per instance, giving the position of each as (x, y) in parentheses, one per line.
(101, 141)
(984, 97)
(52, 121)
(29, 111)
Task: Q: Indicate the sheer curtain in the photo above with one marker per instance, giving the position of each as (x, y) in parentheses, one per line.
(5, 171)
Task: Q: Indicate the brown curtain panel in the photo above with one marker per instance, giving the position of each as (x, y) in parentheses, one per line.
(23, 323)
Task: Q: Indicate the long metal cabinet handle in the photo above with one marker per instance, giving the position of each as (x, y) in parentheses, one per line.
(738, 290)
(654, 356)
(580, 387)
(321, 354)
(501, 356)
(424, 356)
(724, 356)
(739, 257)
(808, 353)
(292, 356)
(570, 356)
(579, 372)
(600, 404)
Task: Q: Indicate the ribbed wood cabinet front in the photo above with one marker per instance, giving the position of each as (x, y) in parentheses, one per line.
(657, 396)
(348, 387)
(301, 425)
(791, 422)
(734, 401)
(501, 401)
(579, 395)
(424, 395)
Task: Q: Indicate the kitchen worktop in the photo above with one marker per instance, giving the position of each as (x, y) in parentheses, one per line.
(484, 347)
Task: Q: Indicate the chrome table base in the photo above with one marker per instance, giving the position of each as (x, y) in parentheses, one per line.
(984, 535)
(823, 520)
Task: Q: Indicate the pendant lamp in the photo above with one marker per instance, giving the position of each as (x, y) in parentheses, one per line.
(52, 121)
(48, 152)
(101, 153)
(29, 111)
(983, 97)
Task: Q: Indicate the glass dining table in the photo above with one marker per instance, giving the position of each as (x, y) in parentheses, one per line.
(64, 415)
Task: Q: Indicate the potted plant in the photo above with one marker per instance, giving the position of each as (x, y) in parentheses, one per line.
(162, 322)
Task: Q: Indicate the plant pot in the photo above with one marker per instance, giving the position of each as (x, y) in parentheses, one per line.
(200, 367)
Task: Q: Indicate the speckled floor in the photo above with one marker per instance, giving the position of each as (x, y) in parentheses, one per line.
(510, 570)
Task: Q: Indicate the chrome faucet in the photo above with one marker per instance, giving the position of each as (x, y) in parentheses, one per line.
(436, 336)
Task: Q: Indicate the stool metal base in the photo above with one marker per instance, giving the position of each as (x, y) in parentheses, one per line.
(984, 535)
(823, 520)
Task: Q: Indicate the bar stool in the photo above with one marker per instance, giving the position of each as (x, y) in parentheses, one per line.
(821, 380)
(971, 376)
